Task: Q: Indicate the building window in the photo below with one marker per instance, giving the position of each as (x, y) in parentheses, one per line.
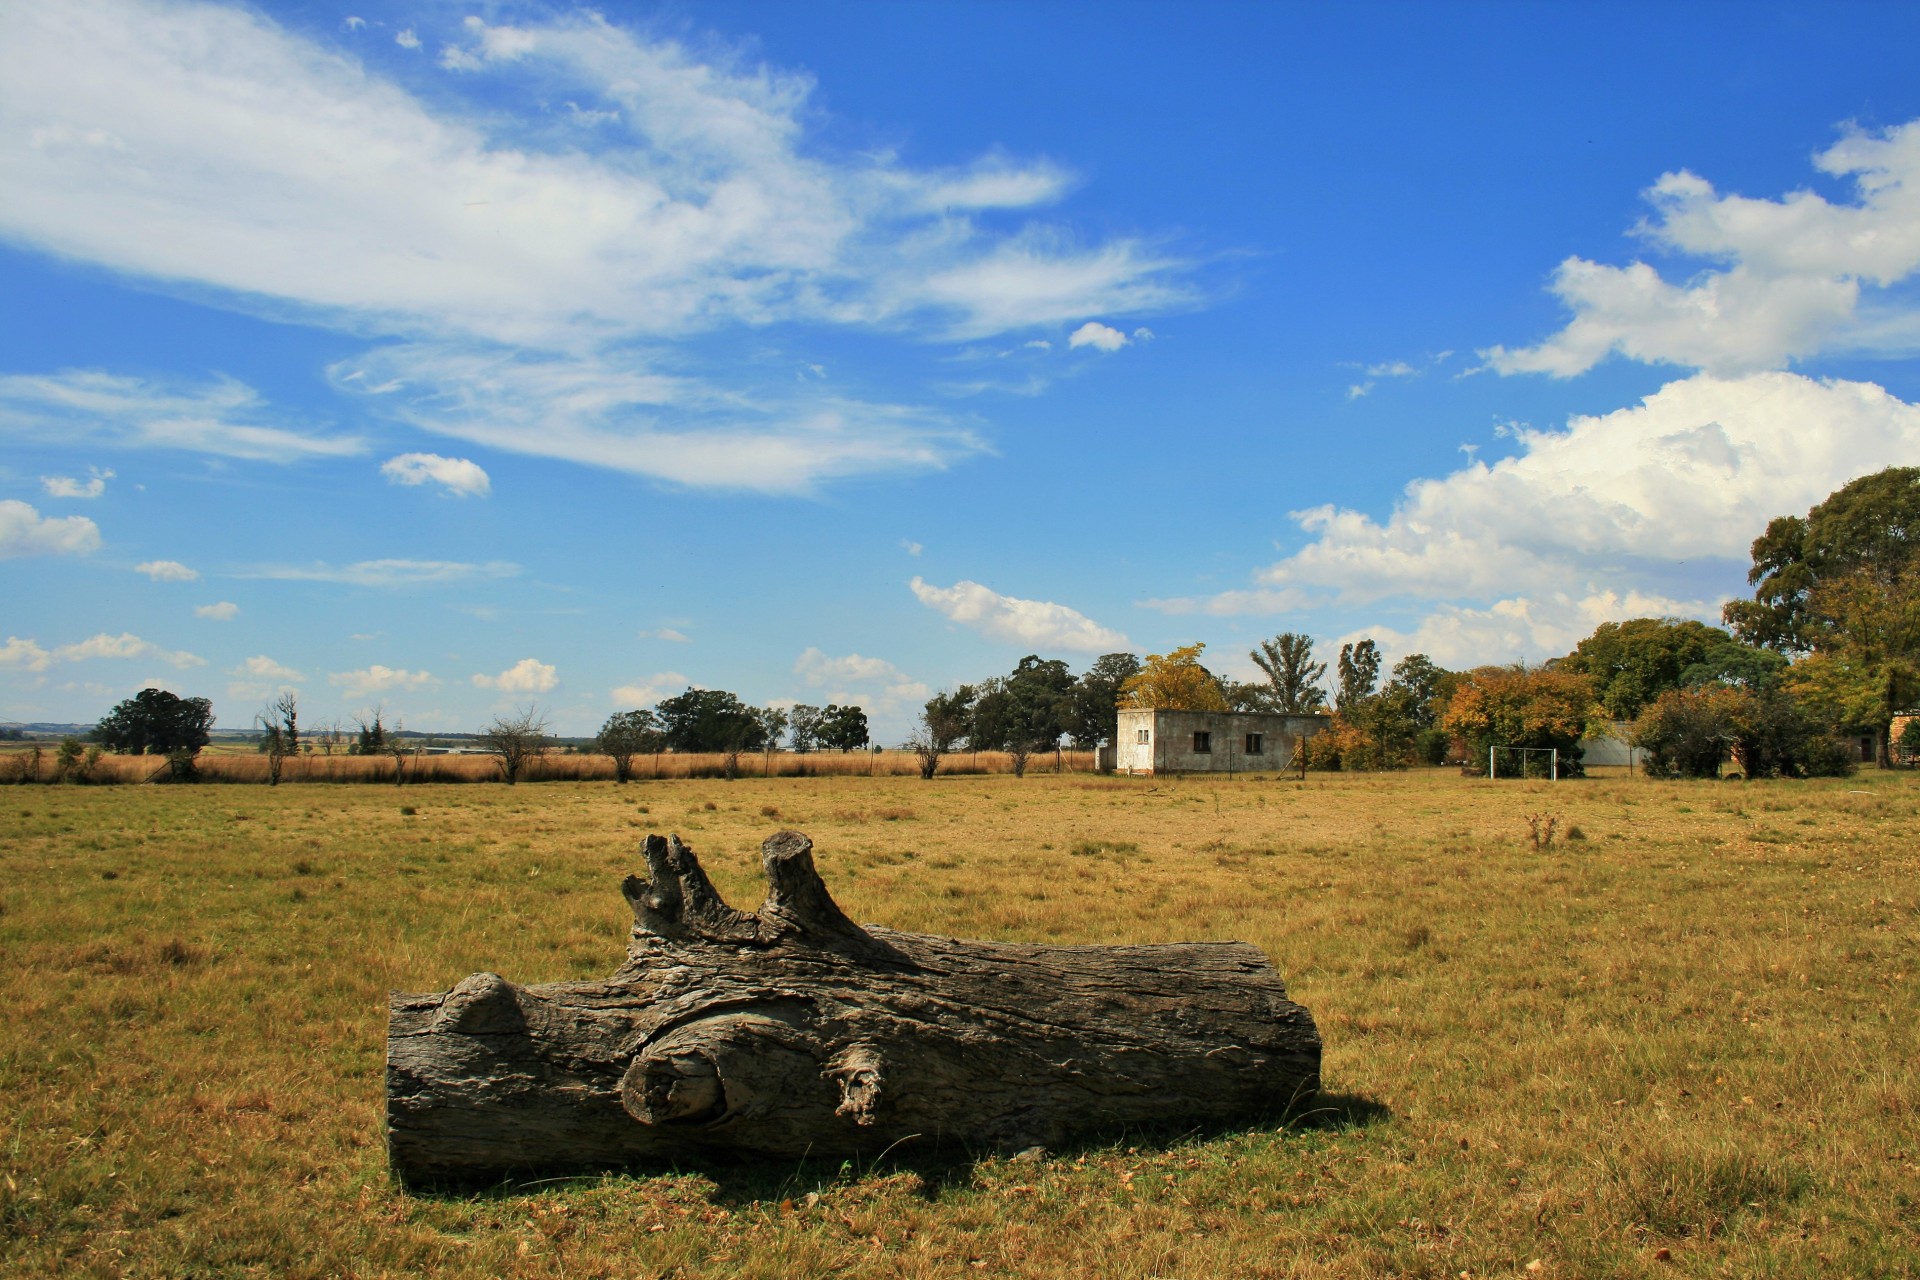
(1255, 746)
(1203, 743)
(1145, 737)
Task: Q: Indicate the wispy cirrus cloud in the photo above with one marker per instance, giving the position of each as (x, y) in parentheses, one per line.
(1038, 623)
(386, 573)
(610, 410)
(221, 417)
(680, 194)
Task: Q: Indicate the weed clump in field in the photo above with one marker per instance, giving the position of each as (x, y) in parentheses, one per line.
(1101, 848)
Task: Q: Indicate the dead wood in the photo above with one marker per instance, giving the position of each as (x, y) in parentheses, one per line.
(792, 1030)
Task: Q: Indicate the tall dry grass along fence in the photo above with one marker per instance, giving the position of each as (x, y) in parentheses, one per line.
(22, 765)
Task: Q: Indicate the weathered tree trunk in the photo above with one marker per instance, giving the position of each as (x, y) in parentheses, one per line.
(792, 1030)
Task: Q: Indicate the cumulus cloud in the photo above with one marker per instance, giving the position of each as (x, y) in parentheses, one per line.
(1098, 336)
(1695, 470)
(261, 667)
(222, 417)
(387, 573)
(911, 547)
(25, 532)
(24, 655)
(873, 684)
(529, 675)
(459, 477)
(68, 487)
(261, 677)
(224, 611)
(406, 38)
(647, 690)
(1799, 275)
(1035, 623)
(1649, 509)
(1525, 629)
(380, 679)
(124, 645)
(167, 571)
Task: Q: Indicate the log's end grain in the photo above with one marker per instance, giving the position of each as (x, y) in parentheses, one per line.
(792, 1029)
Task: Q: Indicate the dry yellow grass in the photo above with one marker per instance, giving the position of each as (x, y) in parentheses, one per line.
(245, 765)
(1681, 1042)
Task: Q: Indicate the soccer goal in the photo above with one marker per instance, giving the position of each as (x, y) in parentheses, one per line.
(1524, 762)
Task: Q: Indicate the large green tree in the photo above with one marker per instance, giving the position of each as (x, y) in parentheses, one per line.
(1633, 662)
(1092, 714)
(156, 722)
(709, 720)
(1844, 582)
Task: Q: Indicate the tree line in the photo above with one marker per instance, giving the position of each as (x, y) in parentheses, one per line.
(1827, 647)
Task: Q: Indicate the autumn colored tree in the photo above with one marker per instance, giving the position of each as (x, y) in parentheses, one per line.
(1174, 682)
(1521, 706)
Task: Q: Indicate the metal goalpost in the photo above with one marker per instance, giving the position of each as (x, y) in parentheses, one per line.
(1526, 753)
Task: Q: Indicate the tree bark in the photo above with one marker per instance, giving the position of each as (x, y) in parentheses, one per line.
(793, 1030)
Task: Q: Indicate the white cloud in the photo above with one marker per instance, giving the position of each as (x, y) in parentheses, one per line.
(1525, 629)
(380, 679)
(406, 38)
(224, 611)
(529, 675)
(261, 677)
(457, 476)
(209, 150)
(25, 655)
(124, 645)
(282, 172)
(668, 634)
(1039, 624)
(1647, 510)
(1696, 470)
(911, 547)
(1098, 336)
(873, 684)
(25, 532)
(648, 690)
(611, 411)
(67, 487)
(1802, 275)
(387, 573)
(261, 667)
(167, 571)
(222, 417)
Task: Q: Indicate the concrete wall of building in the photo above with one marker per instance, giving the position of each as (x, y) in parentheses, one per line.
(1168, 741)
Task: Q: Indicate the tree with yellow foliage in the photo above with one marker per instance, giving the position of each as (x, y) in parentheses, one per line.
(1174, 682)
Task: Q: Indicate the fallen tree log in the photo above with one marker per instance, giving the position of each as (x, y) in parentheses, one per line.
(793, 1030)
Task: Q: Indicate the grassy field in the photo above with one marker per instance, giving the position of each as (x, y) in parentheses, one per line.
(1677, 1040)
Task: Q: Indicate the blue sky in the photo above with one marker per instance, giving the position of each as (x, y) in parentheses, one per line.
(451, 357)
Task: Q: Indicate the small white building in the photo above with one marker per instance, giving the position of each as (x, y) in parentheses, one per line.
(1161, 741)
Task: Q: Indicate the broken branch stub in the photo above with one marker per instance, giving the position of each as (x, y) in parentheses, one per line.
(792, 1030)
